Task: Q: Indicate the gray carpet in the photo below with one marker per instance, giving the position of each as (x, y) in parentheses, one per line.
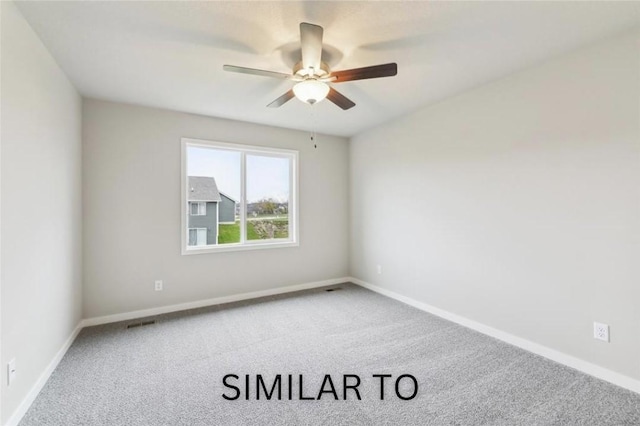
(170, 373)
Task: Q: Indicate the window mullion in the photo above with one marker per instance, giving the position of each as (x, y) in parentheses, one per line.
(243, 198)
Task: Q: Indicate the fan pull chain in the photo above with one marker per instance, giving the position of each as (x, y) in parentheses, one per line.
(313, 135)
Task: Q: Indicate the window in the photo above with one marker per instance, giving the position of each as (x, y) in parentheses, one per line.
(197, 236)
(198, 209)
(252, 192)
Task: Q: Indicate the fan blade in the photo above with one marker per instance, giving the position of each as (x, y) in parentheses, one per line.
(282, 99)
(311, 44)
(376, 71)
(253, 71)
(339, 99)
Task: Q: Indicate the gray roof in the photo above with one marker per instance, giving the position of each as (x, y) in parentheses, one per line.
(228, 196)
(202, 189)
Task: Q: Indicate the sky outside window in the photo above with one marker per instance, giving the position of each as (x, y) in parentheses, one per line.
(267, 177)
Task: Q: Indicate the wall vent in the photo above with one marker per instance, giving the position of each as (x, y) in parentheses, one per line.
(140, 324)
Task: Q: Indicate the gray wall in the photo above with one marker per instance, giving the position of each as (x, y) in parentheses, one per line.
(227, 209)
(131, 158)
(515, 204)
(40, 166)
(209, 221)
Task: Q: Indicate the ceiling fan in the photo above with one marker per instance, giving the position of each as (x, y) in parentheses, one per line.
(312, 76)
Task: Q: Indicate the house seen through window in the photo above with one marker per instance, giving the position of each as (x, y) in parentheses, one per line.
(237, 196)
(197, 236)
(198, 208)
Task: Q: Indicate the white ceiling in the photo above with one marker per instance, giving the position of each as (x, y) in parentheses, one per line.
(170, 54)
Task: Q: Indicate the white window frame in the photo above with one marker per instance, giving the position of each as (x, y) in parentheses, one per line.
(294, 237)
(200, 212)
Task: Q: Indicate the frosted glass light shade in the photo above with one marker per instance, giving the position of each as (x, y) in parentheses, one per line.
(311, 91)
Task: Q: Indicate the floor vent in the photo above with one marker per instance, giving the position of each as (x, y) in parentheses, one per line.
(333, 289)
(140, 324)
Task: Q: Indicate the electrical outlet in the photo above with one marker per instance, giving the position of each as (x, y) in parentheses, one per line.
(11, 371)
(601, 331)
(158, 286)
(379, 269)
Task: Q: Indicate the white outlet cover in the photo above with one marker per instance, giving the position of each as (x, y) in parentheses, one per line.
(601, 331)
(158, 285)
(11, 371)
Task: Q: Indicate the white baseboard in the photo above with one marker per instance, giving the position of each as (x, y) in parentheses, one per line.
(538, 349)
(208, 302)
(42, 380)
(552, 354)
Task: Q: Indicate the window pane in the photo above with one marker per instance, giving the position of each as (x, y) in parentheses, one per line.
(268, 195)
(214, 180)
(202, 236)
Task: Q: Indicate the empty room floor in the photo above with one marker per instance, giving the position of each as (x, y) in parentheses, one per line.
(171, 372)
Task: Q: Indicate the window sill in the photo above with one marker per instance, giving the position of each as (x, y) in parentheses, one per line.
(238, 247)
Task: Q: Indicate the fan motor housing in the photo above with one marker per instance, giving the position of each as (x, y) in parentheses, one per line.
(300, 71)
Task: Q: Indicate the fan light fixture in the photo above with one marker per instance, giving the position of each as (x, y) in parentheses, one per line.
(311, 91)
(314, 76)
